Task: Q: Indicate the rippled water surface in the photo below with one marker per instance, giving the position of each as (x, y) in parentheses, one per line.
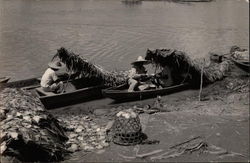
(111, 33)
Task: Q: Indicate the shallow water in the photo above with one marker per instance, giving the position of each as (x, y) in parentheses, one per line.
(112, 33)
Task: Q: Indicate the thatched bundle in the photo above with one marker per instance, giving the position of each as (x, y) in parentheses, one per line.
(83, 68)
(28, 132)
(181, 63)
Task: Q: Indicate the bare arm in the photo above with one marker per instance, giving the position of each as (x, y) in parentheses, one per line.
(134, 75)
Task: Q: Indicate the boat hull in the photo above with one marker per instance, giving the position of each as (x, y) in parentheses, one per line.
(81, 90)
(76, 91)
(29, 83)
(244, 65)
(71, 98)
(4, 79)
(123, 95)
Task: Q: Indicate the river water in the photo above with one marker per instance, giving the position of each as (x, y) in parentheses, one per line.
(111, 33)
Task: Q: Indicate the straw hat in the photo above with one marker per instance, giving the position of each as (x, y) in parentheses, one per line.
(56, 65)
(140, 59)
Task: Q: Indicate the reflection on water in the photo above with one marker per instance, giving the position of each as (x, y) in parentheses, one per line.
(112, 33)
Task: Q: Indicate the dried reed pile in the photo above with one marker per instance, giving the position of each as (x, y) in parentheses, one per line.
(83, 133)
(181, 63)
(77, 64)
(28, 132)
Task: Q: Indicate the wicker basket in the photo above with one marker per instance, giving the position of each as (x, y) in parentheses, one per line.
(126, 129)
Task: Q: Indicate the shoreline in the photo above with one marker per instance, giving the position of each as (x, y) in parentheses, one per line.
(219, 123)
(220, 120)
(221, 117)
(182, 0)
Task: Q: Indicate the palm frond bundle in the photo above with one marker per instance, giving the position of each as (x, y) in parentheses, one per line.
(81, 66)
(28, 132)
(180, 62)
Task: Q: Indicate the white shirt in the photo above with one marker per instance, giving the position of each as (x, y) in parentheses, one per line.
(48, 78)
(136, 71)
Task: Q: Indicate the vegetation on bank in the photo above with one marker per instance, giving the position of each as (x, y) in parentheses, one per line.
(194, 0)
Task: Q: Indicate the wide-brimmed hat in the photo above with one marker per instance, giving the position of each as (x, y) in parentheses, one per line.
(140, 59)
(56, 65)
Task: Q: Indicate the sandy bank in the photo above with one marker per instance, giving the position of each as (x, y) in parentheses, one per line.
(221, 119)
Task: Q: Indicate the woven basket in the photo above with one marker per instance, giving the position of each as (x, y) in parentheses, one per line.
(127, 130)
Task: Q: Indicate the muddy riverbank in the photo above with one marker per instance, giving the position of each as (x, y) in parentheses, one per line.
(221, 119)
(182, 127)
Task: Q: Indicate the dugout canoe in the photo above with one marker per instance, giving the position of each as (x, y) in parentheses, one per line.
(243, 64)
(4, 79)
(26, 83)
(76, 91)
(29, 83)
(121, 93)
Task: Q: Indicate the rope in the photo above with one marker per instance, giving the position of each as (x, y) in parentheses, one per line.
(186, 75)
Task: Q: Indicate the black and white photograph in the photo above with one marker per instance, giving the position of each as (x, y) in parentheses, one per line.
(124, 81)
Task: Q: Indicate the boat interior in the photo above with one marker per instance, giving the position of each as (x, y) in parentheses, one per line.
(72, 85)
(147, 87)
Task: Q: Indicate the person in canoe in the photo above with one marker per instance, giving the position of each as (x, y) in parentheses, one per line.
(50, 81)
(138, 75)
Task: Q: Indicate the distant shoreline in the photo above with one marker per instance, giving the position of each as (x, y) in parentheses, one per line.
(178, 0)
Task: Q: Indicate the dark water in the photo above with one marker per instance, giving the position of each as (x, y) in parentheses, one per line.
(111, 33)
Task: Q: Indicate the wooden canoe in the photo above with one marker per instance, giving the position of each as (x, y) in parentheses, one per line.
(243, 64)
(4, 79)
(76, 91)
(121, 93)
(32, 82)
(29, 83)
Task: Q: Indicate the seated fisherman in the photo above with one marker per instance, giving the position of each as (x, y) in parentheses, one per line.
(164, 78)
(137, 74)
(50, 81)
